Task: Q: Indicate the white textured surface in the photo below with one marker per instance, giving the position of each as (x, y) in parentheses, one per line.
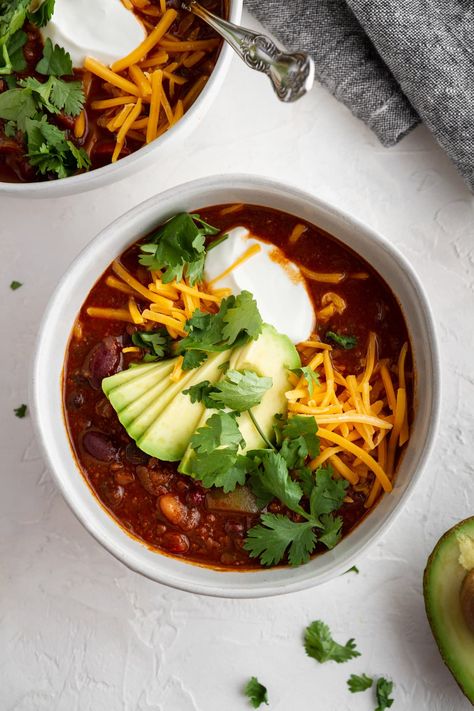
(78, 631)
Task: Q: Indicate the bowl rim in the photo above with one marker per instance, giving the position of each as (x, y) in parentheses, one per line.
(143, 157)
(268, 587)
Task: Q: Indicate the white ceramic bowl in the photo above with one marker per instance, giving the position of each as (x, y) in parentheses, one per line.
(53, 339)
(157, 150)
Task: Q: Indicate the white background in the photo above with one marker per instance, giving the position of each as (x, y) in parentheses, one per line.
(80, 632)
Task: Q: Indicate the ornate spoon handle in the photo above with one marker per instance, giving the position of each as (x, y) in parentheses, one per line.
(292, 75)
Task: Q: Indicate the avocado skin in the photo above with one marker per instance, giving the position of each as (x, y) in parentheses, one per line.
(448, 543)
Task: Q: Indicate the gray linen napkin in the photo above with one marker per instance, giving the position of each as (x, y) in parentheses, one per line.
(391, 62)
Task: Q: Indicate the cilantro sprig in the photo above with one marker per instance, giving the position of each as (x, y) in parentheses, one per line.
(156, 344)
(178, 247)
(382, 691)
(237, 322)
(311, 377)
(256, 693)
(320, 645)
(42, 15)
(238, 391)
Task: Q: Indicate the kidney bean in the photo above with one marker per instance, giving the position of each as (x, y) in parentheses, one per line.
(172, 509)
(134, 455)
(104, 359)
(99, 446)
(151, 480)
(175, 542)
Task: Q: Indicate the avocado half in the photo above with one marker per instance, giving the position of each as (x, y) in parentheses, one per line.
(448, 588)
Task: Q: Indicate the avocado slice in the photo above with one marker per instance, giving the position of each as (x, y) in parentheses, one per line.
(448, 588)
(272, 355)
(122, 388)
(168, 435)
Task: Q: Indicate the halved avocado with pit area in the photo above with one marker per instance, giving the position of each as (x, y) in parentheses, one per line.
(448, 588)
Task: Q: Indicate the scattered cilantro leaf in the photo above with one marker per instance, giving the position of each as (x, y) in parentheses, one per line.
(55, 61)
(383, 690)
(15, 285)
(220, 430)
(320, 645)
(239, 391)
(310, 376)
(179, 248)
(43, 14)
(354, 569)
(306, 479)
(346, 342)
(15, 50)
(359, 683)
(275, 535)
(256, 692)
(20, 411)
(272, 480)
(327, 494)
(155, 343)
(236, 322)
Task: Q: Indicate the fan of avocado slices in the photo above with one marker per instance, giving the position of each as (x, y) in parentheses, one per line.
(448, 588)
(162, 415)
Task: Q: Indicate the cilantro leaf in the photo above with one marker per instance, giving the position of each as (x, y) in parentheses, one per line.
(239, 391)
(242, 317)
(55, 61)
(51, 152)
(236, 322)
(18, 106)
(256, 692)
(346, 342)
(272, 480)
(353, 569)
(220, 430)
(383, 690)
(331, 530)
(200, 393)
(179, 248)
(193, 359)
(12, 18)
(359, 683)
(56, 95)
(43, 14)
(155, 343)
(310, 376)
(15, 50)
(327, 494)
(20, 411)
(320, 645)
(299, 440)
(15, 285)
(222, 468)
(275, 534)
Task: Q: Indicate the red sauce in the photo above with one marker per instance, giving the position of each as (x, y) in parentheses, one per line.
(98, 141)
(128, 482)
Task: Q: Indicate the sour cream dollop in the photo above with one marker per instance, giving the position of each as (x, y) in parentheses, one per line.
(103, 29)
(277, 284)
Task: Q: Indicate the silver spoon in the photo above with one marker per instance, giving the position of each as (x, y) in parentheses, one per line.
(291, 75)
